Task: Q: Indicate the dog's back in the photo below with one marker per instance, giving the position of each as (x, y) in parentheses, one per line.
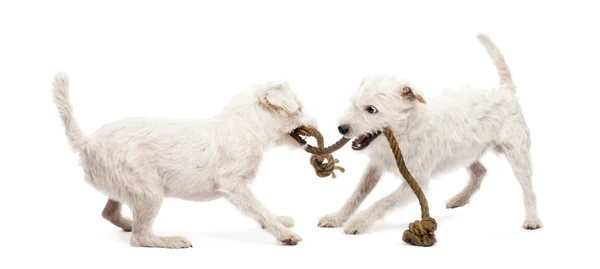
(456, 127)
(121, 153)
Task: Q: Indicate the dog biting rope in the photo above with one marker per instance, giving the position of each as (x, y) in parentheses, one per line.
(419, 233)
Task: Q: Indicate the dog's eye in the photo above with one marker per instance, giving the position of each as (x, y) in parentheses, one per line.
(371, 109)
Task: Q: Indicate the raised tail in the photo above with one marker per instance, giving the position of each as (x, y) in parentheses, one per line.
(60, 91)
(504, 74)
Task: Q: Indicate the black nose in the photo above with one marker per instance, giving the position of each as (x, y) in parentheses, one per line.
(343, 129)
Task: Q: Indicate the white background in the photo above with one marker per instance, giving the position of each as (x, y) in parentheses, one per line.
(188, 58)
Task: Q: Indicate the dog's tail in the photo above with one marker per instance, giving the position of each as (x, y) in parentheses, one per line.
(506, 80)
(60, 91)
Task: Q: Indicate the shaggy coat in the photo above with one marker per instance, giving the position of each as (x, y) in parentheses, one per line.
(442, 134)
(141, 161)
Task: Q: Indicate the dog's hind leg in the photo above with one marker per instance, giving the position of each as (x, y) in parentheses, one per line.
(112, 213)
(476, 173)
(367, 183)
(515, 143)
(145, 209)
(520, 161)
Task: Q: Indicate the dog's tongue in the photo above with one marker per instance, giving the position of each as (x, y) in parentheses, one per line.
(359, 140)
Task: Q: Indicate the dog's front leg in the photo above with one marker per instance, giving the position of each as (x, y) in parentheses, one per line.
(363, 220)
(367, 183)
(241, 197)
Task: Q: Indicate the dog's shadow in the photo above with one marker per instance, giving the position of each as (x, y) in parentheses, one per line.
(249, 236)
(256, 236)
(388, 226)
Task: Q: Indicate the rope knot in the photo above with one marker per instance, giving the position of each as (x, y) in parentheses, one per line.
(421, 233)
(324, 169)
(321, 153)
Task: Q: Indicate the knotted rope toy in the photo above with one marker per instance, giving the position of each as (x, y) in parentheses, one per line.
(419, 233)
(320, 153)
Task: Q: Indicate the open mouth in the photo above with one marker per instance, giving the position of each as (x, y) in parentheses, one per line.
(364, 140)
(299, 138)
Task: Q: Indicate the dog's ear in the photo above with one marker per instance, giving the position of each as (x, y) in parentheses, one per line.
(409, 95)
(279, 96)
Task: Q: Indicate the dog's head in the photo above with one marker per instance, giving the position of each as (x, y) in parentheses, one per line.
(282, 114)
(380, 102)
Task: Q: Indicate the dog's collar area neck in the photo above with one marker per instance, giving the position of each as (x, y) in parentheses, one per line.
(261, 137)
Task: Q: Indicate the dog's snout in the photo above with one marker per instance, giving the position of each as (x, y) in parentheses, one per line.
(343, 129)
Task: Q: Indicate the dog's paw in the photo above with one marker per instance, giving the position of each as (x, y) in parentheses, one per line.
(287, 222)
(457, 201)
(126, 225)
(532, 224)
(160, 241)
(357, 225)
(289, 238)
(331, 221)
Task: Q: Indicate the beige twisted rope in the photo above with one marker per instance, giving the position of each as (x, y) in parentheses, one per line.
(419, 233)
(320, 153)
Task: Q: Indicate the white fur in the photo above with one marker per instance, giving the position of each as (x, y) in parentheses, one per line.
(451, 131)
(140, 161)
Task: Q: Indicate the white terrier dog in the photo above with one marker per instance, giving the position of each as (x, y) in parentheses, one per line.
(140, 161)
(450, 132)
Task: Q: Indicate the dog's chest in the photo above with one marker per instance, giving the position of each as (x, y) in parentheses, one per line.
(249, 169)
(382, 156)
(380, 153)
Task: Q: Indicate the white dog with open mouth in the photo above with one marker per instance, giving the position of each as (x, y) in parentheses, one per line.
(452, 131)
(140, 161)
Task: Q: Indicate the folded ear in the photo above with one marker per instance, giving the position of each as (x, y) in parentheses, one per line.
(280, 96)
(409, 95)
